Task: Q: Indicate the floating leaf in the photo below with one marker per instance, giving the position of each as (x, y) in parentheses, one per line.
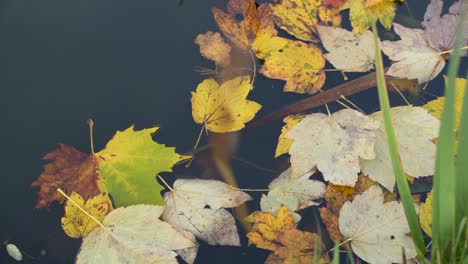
(77, 224)
(129, 164)
(334, 144)
(133, 234)
(197, 206)
(213, 47)
(284, 144)
(415, 130)
(299, 64)
(378, 231)
(14, 252)
(223, 108)
(70, 170)
(299, 17)
(425, 215)
(362, 15)
(348, 52)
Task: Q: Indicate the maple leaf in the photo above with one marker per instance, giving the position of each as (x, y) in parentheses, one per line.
(295, 193)
(378, 231)
(299, 64)
(134, 234)
(284, 144)
(415, 130)
(213, 47)
(348, 52)
(197, 206)
(299, 17)
(425, 215)
(77, 224)
(223, 108)
(243, 22)
(70, 170)
(362, 16)
(129, 164)
(334, 144)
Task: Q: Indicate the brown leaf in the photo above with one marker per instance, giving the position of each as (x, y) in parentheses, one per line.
(332, 224)
(213, 47)
(70, 170)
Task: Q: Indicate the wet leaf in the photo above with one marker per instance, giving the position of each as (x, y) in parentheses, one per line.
(348, 52)
(285, 143)
(334, 144)
(415, 130)
(213, 47)
(299, 17)
(377, 230)
(14, 252)
(425, 215)
(133, 234)
(362, 15)
(223, 108)
(129, 164)
(70, 170)
(197, 206)
(299, 64)
(77, 224)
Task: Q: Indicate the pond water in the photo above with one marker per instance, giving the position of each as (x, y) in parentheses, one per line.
(119, 63)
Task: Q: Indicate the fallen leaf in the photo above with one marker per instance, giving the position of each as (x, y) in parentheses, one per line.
(223, 108)
(334, 3)
(332, 224)
(415, 130)
(14, 252)
(363, 16)
(76, 223)
(378, 231)
(243, 22)
(333, 143)
(295, 193)
(348, 52)
(425, 215)
(435, 107)
(129, 164)
(133, 234)
(197, 206)
(298, 17)
(213, 47)
(70, 170)
(284, 144)
(299, 64)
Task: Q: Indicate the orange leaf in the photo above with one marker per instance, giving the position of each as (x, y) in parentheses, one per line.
(70, 170)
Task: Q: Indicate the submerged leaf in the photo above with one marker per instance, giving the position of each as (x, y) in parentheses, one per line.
(213, 47)
(129, 164)
(223, 108)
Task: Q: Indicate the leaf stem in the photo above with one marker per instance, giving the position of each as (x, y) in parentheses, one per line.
(249, 190)
(91, 125)
(196, 144)
(449, 51)
(79, 207)
(165, 183)
(254, 67)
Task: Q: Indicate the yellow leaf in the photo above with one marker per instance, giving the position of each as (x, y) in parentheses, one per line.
(435, 107)
(363, 14)
(77, 224)
(298, 17)
(285, 143)
(223, 108)
(299, 64)
(425, 215)
(264, 45)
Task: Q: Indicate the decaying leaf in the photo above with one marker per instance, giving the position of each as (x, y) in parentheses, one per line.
(348, 52)
(378, 231)
(415, 130)
(435, 107)
(70, 170)
(333, 143)
(362, 15)
(213, 47)
(77, 224)
(299, 64)
(425, 215)
(285, 143)
(223, 108)
(129, 164)
(295, 193)
(299, 17)
(197, 206)
(243, 22)
(133, 234)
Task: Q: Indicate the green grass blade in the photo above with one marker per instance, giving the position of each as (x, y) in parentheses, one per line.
(461, 165)
(336, 254)
(402, 184)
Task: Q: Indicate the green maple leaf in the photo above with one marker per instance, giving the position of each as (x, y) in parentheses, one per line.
(129, 164)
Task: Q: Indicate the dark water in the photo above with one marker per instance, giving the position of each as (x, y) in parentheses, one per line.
(120, 63)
